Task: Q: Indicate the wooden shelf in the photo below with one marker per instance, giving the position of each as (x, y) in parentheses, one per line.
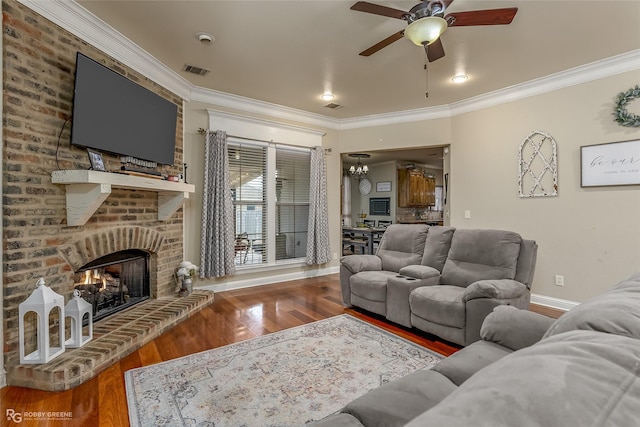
(88, 189)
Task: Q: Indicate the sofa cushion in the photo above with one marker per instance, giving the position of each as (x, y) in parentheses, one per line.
(514, 328)
(398, 402)
(578, 378)
(617, 311)
(437, 246)
(461, 365)
(401, 245)
(441, 304)
(481, 254)
(371, 285)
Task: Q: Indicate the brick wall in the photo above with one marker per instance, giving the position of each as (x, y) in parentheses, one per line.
(39, 65)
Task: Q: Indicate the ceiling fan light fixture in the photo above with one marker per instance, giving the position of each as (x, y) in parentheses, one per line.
(425, 30)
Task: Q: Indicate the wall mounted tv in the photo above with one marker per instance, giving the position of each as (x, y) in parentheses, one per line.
(113, 114)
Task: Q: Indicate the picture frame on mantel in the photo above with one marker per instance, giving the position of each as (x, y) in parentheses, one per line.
(609, 164)
(95, 158)
(383, 186)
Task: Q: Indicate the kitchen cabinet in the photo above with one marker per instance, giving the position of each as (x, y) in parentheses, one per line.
(415, 190)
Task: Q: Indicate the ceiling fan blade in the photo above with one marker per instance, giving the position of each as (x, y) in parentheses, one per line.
(376, 9)
(435, 50)
(483, 17)
(384, 43)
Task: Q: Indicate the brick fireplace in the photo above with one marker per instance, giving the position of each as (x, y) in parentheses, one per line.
(38, 73)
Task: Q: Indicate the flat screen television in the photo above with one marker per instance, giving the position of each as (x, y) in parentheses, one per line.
(113, 114)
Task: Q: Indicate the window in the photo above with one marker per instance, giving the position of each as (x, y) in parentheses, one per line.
(247, 175)
(292, 203)
(270, 190)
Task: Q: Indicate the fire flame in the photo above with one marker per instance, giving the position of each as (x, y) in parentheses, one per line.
(94, 276)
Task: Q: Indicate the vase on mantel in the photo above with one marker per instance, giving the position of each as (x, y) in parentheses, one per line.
(187, 287)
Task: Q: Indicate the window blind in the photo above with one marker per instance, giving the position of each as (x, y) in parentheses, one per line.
(292, 202)
(248, 177)
(269, 231)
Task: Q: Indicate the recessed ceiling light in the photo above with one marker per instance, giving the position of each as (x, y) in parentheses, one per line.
(460, 78)
(205, 38)
(327, 96)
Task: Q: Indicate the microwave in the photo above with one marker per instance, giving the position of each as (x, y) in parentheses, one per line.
(380, 206)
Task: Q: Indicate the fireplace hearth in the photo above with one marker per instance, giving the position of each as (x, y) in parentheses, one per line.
(114, 282)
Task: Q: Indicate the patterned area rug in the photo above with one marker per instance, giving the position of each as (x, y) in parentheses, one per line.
(286, 378)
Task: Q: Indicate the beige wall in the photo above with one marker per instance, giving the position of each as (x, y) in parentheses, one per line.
(397, 136)
(589, 236)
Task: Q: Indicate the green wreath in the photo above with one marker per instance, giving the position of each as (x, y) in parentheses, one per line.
(623, 117)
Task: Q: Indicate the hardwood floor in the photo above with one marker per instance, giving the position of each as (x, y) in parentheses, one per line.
(234, 316)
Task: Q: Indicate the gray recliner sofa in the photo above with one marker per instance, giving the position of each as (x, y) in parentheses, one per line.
(441, 280)
(527, 370)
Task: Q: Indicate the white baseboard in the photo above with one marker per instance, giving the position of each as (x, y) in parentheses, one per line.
(557, 303)
(277, 278)
(543, 300)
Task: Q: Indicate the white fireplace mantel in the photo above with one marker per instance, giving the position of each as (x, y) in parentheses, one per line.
(88, 189)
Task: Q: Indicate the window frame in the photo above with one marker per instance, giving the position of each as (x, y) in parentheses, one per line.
(270, 203)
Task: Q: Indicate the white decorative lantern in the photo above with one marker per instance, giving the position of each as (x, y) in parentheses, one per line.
(41, 302)
(76, 309)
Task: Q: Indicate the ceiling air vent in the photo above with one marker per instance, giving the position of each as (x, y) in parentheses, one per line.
(333, 106)
(196, 70)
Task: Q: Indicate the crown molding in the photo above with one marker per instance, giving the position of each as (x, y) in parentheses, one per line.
(85, 25)
(406, 116)
(217, 114)
(618, 64)
(249, 105)
(80, 22)
(629, 61)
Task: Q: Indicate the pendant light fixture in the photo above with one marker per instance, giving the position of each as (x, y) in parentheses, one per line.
(359, 170)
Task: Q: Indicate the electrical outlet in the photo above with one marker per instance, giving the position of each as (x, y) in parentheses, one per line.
(467, 214)
(335, 255)
(559, 280)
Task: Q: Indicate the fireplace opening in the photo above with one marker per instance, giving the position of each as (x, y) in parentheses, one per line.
(114, 282)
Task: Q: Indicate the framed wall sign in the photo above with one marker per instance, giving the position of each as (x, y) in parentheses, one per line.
(615, 163)
(383, 186)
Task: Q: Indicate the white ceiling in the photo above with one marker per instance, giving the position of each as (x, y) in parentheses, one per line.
(289, 52)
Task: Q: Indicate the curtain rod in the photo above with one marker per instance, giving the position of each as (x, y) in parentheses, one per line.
(203, 131)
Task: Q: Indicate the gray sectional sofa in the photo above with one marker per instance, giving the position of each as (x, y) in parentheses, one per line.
(582, 369)
(441, 280)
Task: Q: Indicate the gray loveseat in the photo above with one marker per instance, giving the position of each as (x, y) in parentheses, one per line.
(528, 370)
(441, 280)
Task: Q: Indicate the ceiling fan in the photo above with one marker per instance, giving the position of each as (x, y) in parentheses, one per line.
(427, 22)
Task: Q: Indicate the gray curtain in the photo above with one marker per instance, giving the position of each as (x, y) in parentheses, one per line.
(318, 249)
(218, 228)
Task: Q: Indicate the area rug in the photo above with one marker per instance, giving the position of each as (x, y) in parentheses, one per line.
(286, 378)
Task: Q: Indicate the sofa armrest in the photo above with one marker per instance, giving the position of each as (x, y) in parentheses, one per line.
(514, 328)
(504, 289)
(358, 263)
(419, 272)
